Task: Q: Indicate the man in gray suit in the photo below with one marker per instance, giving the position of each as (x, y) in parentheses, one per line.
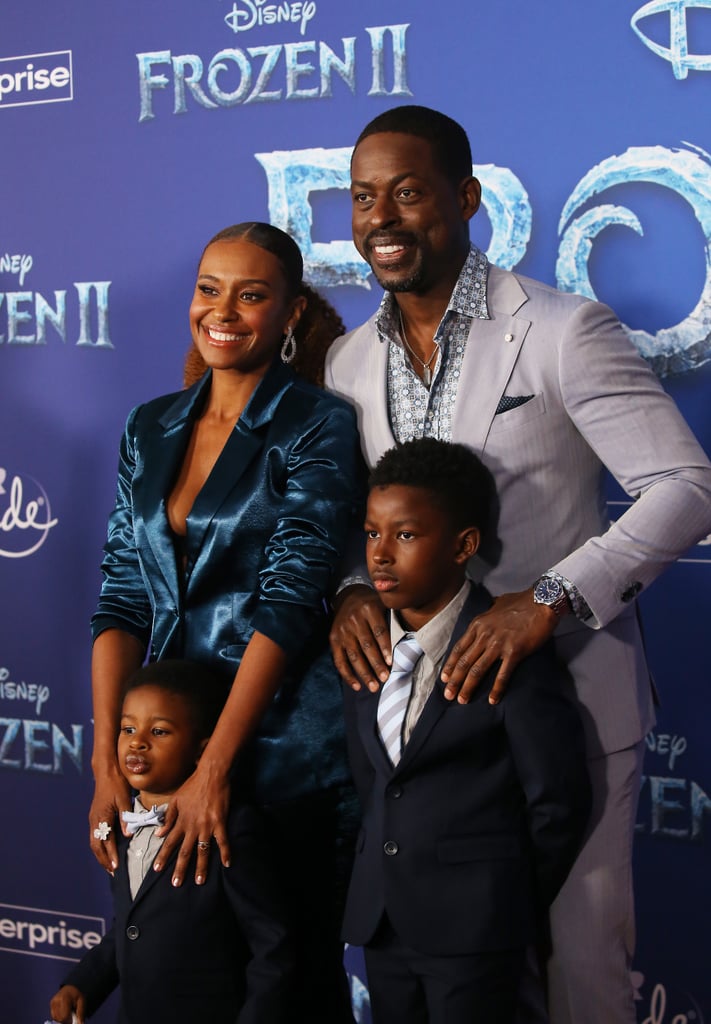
(548, 390)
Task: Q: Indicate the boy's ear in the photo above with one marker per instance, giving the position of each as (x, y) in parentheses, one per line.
(468, 543)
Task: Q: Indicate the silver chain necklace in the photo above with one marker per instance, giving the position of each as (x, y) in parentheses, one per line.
(426, 366)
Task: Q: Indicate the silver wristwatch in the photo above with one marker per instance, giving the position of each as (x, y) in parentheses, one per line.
(549, 590)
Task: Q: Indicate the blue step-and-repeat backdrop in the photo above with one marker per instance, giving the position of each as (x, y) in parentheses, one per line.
(131, 132)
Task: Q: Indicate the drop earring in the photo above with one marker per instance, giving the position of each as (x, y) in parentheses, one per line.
(288, 349)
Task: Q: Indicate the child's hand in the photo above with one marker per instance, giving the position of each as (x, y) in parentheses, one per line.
(67, 1006)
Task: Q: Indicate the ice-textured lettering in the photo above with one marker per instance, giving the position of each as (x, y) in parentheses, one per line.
(687, 172)
(292, 175)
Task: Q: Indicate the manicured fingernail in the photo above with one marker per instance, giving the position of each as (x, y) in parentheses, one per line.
(199, 880)
(175, 882)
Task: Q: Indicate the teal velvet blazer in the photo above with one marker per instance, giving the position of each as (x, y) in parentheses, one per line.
(263, 547)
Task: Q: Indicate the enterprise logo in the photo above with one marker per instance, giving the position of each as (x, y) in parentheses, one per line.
(47, 933)
(36, 78)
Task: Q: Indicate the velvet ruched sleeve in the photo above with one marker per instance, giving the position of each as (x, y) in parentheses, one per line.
(301, 560)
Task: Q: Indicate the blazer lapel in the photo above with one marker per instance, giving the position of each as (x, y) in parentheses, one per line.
(436, 704)
(367, 704)
(243, 444)
(367, 711)
(121, 882)
(163, 450)
(152, 877)
(433, 710)
(489, 358)
(373, 419)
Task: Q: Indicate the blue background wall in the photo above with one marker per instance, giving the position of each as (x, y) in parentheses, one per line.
(130, 140)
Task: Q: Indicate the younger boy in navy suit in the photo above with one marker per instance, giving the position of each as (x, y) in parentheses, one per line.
(473, 813)
(207, 953)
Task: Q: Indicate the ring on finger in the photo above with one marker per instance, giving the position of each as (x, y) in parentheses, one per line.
(203, 845)
(103, 831)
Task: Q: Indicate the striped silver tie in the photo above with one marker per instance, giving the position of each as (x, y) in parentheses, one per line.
(395, 695)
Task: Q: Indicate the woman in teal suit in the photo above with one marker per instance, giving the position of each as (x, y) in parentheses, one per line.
(234, 500)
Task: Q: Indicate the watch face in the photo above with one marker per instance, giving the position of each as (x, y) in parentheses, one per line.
(548, 591)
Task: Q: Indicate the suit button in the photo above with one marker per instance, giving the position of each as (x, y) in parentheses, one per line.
(632, 590)
(391, 848)
(132, 932)
(395, 792)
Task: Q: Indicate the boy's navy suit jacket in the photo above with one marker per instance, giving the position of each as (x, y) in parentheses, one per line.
(468, 839)
(180, 954)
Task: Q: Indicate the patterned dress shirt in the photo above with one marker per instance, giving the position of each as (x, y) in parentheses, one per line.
(417, 411)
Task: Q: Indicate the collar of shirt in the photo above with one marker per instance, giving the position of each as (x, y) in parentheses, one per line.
(469, 298)
(142, 848)
(138, 807)
(434, 637)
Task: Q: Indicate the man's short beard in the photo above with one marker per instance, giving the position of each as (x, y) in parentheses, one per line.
(415, 282)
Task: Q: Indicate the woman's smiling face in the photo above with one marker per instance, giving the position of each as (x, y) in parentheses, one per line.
(241, 307)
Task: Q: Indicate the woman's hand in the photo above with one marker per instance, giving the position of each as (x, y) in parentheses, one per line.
(68, 1001)
(112, 795)
(196, 815)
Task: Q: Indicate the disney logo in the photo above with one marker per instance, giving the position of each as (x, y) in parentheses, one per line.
(248, 13)
(34, 515)
(32, 692)
(16, 263)
(666, 745)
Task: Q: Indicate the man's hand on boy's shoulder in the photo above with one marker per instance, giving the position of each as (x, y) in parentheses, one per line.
(511, 629)
(360, 638)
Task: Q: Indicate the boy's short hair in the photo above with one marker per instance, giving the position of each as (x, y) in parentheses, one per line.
(458, 480)
(204, 691)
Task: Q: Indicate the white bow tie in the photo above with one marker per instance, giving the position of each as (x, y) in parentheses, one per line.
(137, 819)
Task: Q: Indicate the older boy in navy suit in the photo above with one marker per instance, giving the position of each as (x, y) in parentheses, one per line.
(473, 813)
(208, 953)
